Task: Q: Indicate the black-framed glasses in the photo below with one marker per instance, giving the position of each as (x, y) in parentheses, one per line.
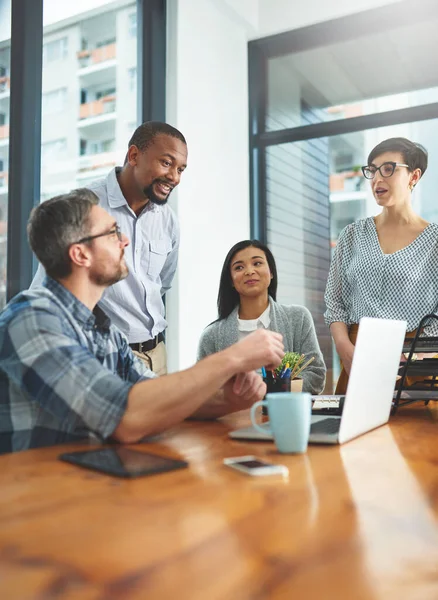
(386, 169)
(114, 231)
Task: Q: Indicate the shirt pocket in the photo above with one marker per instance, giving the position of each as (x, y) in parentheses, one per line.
(158, 251)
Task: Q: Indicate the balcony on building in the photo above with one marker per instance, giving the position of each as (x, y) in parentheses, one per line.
(98, 105)
(98, 56)
(97, 152)
(98, 46)
(3, 182)
(96, 159)
(4, 135)
(5, 82)
(103, 106)
(5, 86)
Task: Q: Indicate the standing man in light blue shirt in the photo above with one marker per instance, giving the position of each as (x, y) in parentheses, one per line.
(136, 196)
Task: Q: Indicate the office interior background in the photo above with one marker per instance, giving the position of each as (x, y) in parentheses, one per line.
(280, 102)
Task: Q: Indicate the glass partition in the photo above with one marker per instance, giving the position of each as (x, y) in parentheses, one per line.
(369, 74)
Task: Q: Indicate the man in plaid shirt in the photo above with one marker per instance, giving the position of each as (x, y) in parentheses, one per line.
(66, 373)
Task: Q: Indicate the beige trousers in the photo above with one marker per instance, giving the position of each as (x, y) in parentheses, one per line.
(155, 360)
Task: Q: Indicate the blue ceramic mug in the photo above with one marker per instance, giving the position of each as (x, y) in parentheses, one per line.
(289, 419)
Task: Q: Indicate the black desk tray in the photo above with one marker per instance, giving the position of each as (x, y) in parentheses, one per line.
(427, 367)
(423, 390)
(423, 344)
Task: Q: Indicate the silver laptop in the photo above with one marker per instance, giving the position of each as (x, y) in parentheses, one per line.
(369, 395)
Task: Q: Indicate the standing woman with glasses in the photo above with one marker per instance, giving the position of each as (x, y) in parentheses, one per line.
(384, 266)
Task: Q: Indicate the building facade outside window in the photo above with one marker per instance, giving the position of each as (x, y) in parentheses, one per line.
(56, 50)
(54, 102)
(322, 111)
(5, 64)
(88, 105)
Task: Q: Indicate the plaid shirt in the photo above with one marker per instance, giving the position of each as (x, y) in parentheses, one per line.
(65, 372)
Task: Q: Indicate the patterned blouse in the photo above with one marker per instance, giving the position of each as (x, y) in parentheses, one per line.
(365, 282)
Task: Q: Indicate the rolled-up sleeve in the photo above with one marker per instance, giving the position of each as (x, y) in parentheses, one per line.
(335, 306)
(431, 329)
(61, 376)
(169, 267)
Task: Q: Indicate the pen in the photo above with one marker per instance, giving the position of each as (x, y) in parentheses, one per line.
(284, 369)
(263, 372)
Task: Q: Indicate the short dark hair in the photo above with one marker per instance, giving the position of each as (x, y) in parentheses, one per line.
(414, 155)
(144, 135)
(228, 298)
(58, 223)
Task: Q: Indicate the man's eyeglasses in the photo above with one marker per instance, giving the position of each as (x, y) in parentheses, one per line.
(386, 169)
(114, 231)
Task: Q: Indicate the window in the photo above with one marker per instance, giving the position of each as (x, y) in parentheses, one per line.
(89, 147)
(56, 50)
(104, 43)
(132, 75)
(322, 111)
(105, 93)
(133, 25)
(54, 102)
(82, 90)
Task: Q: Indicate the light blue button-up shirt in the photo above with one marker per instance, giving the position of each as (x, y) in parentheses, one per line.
(135, 304)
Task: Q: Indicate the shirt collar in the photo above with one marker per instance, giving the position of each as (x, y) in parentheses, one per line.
(249, 325)
(80, 312)
(116, 199)
(264, 318)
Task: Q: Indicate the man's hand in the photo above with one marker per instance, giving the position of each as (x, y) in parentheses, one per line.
(262, 348)
(243, 390)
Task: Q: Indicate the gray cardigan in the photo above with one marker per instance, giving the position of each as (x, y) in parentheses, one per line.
(294, 322)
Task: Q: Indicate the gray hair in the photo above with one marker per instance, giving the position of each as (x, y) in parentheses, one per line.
(55, 225)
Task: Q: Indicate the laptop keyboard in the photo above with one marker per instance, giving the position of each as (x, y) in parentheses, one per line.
(326, 426)
(328, 405)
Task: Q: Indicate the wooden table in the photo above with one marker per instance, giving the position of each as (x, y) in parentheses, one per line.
(354, 522)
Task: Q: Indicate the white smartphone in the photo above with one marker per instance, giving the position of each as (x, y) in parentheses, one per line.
(251, 465)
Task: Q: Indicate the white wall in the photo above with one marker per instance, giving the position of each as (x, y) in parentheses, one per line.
(208, 102)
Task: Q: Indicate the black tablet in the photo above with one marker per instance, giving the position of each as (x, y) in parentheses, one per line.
(123, 462)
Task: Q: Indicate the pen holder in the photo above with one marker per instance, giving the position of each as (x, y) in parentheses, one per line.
(296, 385)
(282, 384)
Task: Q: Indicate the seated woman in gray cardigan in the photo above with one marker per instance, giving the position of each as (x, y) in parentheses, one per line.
(247, 301)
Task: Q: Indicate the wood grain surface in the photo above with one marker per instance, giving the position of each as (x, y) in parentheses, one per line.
(356, 522)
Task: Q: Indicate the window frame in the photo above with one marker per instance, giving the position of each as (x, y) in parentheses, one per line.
(320, 35)
(25, 115)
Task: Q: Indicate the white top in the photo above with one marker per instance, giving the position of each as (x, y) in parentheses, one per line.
(246, 326)
(135, 304)
(365, 282)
